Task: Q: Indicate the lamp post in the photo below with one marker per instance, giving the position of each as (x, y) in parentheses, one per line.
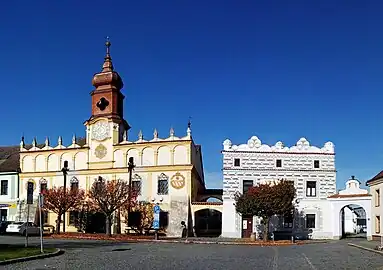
(130, 170)
(65, 170)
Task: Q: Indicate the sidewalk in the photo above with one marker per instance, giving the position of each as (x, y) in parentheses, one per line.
(366, 245)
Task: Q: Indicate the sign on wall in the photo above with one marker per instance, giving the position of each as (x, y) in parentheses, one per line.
(156, 219)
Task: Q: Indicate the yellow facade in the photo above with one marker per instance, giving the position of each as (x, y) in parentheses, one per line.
(105, 150)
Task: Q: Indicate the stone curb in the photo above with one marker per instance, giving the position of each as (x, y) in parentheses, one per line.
(366, 248)
(35, 257)
(199, 242)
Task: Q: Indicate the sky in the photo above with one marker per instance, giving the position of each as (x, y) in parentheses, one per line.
(279, 70)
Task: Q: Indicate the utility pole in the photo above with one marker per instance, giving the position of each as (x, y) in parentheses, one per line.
(64, 170)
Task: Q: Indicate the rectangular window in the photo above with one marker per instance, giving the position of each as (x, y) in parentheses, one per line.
(310, 221)
(311, 188)
(377, 224)
(4, 187)
(377, 197)
(288, 220)
(136, 187)
(3, 214)
(279, 163)
(43, 187)
(247, 184)
(73, 218)
(237, 162)
(316, 164)
(74, 186)
(163, 187)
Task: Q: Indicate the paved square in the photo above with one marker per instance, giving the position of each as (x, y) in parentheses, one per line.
(101, 255)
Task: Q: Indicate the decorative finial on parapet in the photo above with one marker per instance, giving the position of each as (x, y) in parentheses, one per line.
(60, 141)
(22, 143)
(34, 142)
(74, 139)
(140, 135)
(46, 141)
(125, 136)
(171, 132)
(188, 131)
(155, 134)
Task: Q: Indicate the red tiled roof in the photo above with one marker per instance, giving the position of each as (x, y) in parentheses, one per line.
(376, 177)
(348, 195)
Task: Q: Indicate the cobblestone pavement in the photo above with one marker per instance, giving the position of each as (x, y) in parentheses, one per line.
(92, 255)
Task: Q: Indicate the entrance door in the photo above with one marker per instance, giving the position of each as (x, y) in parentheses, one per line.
(3, 215)
(247, 227)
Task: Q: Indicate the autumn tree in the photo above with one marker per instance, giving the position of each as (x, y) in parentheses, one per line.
(109, 196)
(60, 201)
(266, 200)
(144, 218)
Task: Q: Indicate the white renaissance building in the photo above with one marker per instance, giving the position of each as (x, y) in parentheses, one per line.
(311, 168)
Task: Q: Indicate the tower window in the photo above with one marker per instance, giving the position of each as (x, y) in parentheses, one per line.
(316, 164)
(279, 163)
(102, 103)
(237, 162)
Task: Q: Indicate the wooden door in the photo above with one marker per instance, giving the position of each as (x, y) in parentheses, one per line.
(247, 227)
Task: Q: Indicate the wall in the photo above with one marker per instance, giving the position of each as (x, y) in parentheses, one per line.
(376, 209)
(11, 198)
(258, 163)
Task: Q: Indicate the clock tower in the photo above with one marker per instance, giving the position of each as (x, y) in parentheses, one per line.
(106, 126)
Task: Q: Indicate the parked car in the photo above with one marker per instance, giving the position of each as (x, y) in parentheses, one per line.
(3, 226)
(21, 228)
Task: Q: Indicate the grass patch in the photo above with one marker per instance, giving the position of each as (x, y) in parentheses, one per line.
(8, 252)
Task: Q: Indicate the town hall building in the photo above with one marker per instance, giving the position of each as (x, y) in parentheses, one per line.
(168, 170)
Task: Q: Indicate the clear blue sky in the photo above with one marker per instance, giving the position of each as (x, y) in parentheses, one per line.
(279, 70)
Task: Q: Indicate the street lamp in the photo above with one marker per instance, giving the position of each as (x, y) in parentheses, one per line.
(130, 170)
(65, 170)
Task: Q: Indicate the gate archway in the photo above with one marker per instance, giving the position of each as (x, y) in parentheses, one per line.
(208, 223)
(353, 221)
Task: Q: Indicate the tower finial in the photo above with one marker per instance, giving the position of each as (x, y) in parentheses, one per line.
(108, 65)
(107, 44)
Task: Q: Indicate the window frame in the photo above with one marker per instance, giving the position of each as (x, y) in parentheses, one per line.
(377, 197)
(310, 194)
(235, 162)
(278, 162)
(162, 178)
(316, 164)
(312, 221)
(4, 192)
(248, 186)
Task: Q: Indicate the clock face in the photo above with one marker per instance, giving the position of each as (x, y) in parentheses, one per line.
(100, 130)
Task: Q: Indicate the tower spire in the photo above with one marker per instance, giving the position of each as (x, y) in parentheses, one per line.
(108, 65)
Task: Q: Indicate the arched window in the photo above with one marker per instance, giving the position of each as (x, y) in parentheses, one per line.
(74, 183)
(136, 184)
(163, 184)
(43, 185)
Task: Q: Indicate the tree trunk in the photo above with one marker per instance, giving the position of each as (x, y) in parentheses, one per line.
(118, 221)
(266, 222)
(58, 223)
(108, 225)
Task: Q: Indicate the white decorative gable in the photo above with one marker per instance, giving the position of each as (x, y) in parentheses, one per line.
(353, 188)
(254, 144)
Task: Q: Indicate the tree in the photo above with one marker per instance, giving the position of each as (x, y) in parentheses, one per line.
(109, 196)
(59, 201)
(266, 200)
(144, 218)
